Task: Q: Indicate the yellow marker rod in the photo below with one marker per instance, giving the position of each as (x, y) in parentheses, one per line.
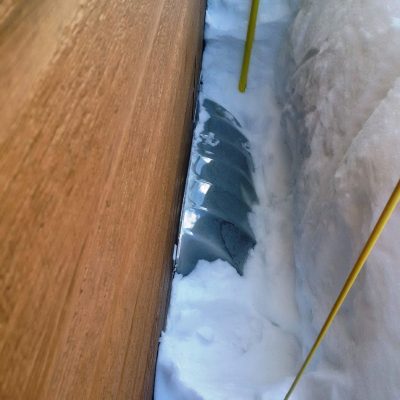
(251, 30)
(382, 221)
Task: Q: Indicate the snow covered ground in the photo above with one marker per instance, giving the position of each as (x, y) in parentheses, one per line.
(327, 156)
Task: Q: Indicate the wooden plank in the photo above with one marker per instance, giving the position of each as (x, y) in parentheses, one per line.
(96, 101)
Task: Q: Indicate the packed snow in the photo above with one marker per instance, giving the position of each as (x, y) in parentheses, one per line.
(321, 112)
(343, 117)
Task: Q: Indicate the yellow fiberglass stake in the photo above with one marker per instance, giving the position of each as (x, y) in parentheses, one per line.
(251, 30)
(382, 221)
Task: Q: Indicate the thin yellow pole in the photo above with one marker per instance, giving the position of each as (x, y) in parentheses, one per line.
(251, 30)
(382, 221)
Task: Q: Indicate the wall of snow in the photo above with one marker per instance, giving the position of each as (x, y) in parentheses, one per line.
(342, 117)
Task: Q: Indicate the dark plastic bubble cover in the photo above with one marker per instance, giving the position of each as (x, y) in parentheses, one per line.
(219, 194)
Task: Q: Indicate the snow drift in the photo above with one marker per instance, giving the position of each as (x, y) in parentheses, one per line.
(342, 119)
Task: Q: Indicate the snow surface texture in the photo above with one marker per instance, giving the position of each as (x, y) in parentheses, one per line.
(237, 338)
(343, 119)
(231, 337)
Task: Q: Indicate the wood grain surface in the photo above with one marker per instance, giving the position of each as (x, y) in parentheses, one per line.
(96, 102)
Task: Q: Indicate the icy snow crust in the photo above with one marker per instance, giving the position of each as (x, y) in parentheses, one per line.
(327, 156)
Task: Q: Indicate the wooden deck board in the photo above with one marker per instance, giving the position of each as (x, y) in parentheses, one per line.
(96, 104)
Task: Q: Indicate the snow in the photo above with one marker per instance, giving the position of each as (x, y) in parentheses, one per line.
(231, 337)
(342, 113)
(327, 156)
(219, 338)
